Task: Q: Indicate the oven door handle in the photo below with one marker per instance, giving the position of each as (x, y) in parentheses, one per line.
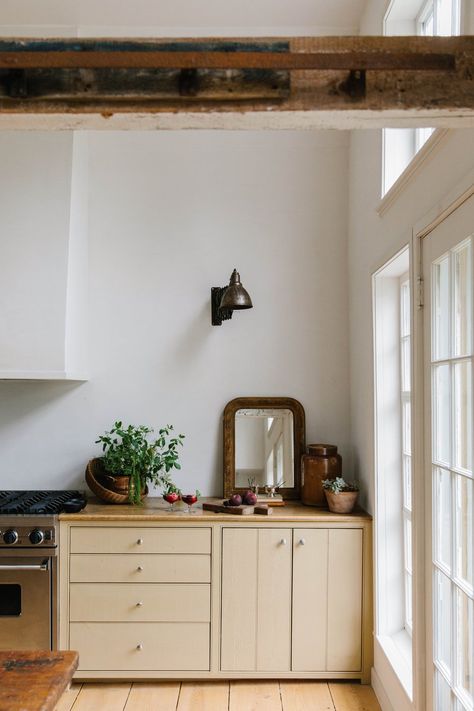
(40, 566)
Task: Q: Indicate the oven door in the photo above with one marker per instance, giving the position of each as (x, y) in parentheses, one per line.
(25, 602)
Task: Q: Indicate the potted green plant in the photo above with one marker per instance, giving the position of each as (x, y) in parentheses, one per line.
(131, 460)
(340, 494)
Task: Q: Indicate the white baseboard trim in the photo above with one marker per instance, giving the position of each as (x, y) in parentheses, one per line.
(380, 692)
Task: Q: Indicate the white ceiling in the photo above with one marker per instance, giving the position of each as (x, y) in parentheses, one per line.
(152, 16)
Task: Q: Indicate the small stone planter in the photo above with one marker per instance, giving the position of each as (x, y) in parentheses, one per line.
(343, 502)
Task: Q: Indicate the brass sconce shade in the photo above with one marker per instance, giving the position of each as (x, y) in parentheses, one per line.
(226, 299)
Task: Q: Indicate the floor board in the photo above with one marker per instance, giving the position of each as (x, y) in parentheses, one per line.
(151, 697)
(249, 695)
(353, 697)
(205, 696)
(305, 696)
(254, 696)
(67, 700)
(106, 697)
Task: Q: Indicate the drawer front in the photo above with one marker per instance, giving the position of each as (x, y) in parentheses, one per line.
(134, 568)
(158, 646)
(97, 539)
(108, 602)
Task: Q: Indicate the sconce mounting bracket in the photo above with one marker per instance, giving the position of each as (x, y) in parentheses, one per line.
(217, 314)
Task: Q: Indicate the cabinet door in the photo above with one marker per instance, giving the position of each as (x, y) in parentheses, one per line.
(256, 599)
(344, 651)
(327, 600)
(310, 599)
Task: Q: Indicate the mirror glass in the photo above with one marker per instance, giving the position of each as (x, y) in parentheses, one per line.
(264, 447)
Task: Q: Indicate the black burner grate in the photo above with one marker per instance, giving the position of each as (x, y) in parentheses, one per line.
(35, 502)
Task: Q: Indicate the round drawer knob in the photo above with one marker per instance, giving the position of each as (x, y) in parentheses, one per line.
(139, 604)
(140, 568)
(140, 647)
(302, 541)
(283, 542)
(140, 541)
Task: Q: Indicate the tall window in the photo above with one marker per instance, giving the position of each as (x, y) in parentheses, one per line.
(406, 453)
(448, 273)
(393, 465)
(432, 17)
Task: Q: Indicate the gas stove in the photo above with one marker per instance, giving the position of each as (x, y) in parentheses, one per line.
(28, 518)
(29, 537)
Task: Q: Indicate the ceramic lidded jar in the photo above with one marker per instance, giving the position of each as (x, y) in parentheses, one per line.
(321, 462)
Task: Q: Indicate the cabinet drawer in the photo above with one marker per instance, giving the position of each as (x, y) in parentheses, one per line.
(108, 602)
(96, 539)
(158, 646)
(136, 568)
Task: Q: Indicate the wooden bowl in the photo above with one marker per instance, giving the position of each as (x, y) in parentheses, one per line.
(97, 482)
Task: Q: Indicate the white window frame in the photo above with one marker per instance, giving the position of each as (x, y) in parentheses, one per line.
(406, 448)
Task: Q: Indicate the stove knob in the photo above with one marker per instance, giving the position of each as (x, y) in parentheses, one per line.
(10, 537)
(36, 537)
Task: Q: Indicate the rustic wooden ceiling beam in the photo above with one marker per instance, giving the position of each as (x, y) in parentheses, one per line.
(237, 83)
(149, 59)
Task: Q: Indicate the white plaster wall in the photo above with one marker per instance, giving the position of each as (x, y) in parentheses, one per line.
(35, 185)
(187, 17)
(170, 215)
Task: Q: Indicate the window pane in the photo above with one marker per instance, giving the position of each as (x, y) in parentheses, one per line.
(464, 555)
(465, 622)
(408, 544)
(442, 630)
(408, 601)
(463, 415)
(442, 694)
(406, 426)
(405, 309)
(407, 481)
(443, 517)
(441, 300)
(406, 374)
(463, 300)
(446, 18)
(442, 414)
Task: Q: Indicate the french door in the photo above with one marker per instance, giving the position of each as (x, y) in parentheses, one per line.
(448, 273)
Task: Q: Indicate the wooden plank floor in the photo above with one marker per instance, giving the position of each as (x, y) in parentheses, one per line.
(246, 695)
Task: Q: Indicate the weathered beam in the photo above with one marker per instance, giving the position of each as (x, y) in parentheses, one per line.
(149, 98)
(144, 59)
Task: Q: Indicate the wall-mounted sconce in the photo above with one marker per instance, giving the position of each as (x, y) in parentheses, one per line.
(226, 299)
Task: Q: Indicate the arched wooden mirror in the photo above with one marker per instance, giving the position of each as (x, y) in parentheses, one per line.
(264, 438)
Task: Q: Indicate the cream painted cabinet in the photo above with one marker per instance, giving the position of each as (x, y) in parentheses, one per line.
(327, 600)
(256, 599)
(139, 598)
(149, 595)
(291, 600)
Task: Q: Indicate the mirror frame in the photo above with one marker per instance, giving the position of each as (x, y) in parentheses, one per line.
(245, 403)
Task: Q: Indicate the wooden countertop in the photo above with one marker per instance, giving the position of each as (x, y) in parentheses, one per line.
(155, 509)
(34, 681)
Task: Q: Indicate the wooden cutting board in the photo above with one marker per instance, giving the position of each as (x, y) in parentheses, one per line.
(242, 510)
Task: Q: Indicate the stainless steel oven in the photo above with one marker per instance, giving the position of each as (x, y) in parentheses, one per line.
(28, 581)
(28, 566)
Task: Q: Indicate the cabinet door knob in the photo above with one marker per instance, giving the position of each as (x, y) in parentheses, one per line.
(140, 541)
(283, 542)
(139, 647)
(140, 603)
(302, 541)
(140, 568)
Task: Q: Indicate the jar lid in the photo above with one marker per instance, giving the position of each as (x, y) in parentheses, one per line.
(322, 450)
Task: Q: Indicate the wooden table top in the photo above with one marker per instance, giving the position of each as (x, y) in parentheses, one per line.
(34, 681)
(155, 509)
